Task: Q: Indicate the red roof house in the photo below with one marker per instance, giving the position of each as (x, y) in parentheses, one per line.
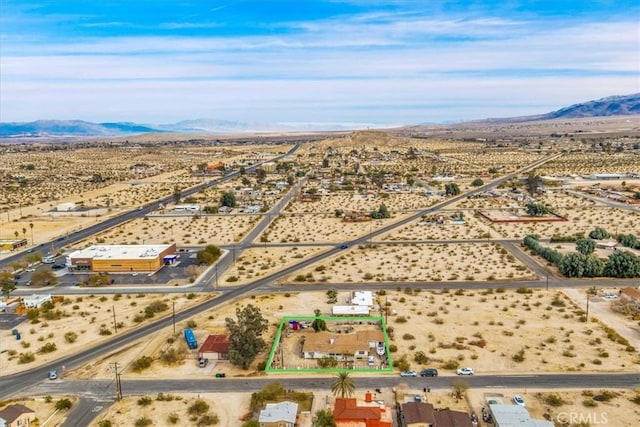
(215, 347)
(347, 413)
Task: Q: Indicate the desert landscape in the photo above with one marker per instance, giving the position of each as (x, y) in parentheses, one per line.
(345, 188)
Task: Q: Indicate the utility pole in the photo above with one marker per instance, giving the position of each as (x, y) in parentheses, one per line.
(115, 324)
(587, 314)
(547, 281)
(173, 317)
(115, 366)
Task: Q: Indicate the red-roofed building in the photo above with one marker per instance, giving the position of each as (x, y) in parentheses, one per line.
(215, 347)
(347, 413)
(211, 167)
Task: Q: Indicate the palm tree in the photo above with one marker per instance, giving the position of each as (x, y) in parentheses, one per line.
(343, 385)
(323, 418)
(31, 227)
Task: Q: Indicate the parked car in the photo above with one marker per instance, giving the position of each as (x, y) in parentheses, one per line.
(57, 266)
(408, 374)
(518, 400)
(344, 246)
(465, 371)
(202, 362)
(430, 372)
(53, 375)
(220, 375)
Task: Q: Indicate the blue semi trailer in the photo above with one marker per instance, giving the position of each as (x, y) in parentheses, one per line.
(190, 338)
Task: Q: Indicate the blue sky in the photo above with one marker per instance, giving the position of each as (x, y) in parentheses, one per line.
(359, 61)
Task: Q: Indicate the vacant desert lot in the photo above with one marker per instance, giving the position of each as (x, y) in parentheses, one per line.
(82, 321)
(406, 262)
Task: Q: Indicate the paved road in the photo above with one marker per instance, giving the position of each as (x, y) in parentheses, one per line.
(96, 388)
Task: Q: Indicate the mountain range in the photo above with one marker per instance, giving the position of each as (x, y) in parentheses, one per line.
(610, 106)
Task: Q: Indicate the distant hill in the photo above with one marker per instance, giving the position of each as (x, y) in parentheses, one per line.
(67, 128)
(80, 128)
(611, 106)
(623, 105)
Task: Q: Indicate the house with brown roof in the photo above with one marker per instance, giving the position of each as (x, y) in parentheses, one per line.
(348, 413)
(17, 415)
(422, 414)
(215, 347)
(341, 346)
(631, 294)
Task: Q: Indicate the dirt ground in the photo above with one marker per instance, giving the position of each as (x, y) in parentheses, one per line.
(79, 322)
(415, 262)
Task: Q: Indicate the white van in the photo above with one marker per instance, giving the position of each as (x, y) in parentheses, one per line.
(49, 259)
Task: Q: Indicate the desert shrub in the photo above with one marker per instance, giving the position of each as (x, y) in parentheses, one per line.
(421, 358)
(208, 420)
(519, 356)
(636, 399)
(408, 337)
(104, 423)
(70, 337)
(155, 307)
(143, 422)
(401, 319)
(451, 364)
(589, 403)
(554, 400)
(63, 404)
(199, 407)
(27, 357)
(105, 331)
(393, 348)
(145, 401)
(141, 364)
(191, 323)
(173, 418)
(172, 356)
(49, 347)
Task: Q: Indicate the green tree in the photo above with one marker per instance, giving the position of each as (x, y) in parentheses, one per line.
(533, 182)
(573, 264)
(585, 246)
(459, 387)
(451, 189)
(343, 385)
(208, 255)
(622, 264)
(228, 199)
(44, 277)
(319, 325)
(537, 209)
(381, 213)
(7, 283)
(477, 182)
(63, 404)
(245, 335)
(261, 174)
(323, 418)
(177, 194)
(599, 233)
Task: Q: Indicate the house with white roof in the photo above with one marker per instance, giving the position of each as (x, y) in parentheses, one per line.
(282, 414)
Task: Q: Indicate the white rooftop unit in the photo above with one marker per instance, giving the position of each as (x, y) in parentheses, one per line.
(362, 298)
(350, 310)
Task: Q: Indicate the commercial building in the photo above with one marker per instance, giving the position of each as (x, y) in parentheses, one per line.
(121, 258)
